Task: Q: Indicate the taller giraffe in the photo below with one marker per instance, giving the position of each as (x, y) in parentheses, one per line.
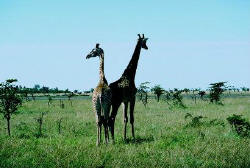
(124, 90)
(101, 98)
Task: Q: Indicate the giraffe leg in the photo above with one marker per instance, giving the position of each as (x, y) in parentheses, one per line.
(132, 106)
(105, 131)
(111, 121)
(99, 131)
(125, 118)
(106, 120)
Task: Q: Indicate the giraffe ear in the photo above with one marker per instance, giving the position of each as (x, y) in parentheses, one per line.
(146, 39)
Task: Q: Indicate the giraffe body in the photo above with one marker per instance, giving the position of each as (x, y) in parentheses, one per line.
(101, 98)
(124, 91)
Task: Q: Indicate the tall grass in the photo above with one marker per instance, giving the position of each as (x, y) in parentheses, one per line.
(164, 138)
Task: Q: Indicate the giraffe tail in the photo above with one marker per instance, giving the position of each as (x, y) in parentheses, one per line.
(100, 100)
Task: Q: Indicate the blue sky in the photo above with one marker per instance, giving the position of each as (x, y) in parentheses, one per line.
(191, 43)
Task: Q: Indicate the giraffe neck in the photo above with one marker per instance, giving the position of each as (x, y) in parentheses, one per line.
(130, 71)
(102, 78)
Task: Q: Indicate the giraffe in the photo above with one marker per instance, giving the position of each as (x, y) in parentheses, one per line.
(124, 90)
(101, 98)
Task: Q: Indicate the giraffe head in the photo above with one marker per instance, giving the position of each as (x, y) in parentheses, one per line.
(97, 51)
(142, 40)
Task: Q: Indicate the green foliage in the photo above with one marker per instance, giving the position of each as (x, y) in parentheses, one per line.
(240, 125)
(143, 92)
(38, 89)
(10, 100)
(158, 91)
(195, 120)
(177, 98)
(216, 122)
(216, 89)
(199, 120)
(202, 94)
(245, 89)
(23, 130)
(174, 98)
(186, 90)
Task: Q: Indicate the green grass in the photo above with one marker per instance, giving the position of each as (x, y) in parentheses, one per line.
(163, 137)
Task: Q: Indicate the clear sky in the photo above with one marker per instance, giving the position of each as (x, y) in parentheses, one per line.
(191, 42)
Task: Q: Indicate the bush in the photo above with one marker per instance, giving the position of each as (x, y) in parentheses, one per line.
(195, 120)
(239, 124)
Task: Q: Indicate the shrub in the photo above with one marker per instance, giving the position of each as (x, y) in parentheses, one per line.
(239, 124)
(195, 120)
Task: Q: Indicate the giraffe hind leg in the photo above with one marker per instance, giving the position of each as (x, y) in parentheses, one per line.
(106, 110)
(111, 121)
(106, 131)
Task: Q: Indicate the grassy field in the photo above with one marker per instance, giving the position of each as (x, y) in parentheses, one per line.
(164, 138)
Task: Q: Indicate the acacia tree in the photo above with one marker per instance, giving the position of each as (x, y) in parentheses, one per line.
(216, 89)
(177, 98)
(158, 91)
(10, 100)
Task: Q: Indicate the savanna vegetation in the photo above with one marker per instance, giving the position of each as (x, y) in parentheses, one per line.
(179, 128)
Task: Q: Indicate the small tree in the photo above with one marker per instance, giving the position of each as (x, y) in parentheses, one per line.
(10, 100)
(40, 122)
(177, 98)
(70, 96)
(158, 91)
(202, 94)
(143, 90)
(216, 89)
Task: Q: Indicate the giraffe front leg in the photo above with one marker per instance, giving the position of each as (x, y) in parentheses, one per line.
(132, 106)
(125, 118)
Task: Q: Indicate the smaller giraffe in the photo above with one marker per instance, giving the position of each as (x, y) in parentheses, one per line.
(101, 98)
